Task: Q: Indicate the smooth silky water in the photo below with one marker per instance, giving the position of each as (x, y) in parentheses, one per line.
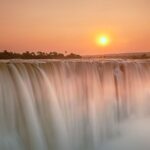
(75, 105)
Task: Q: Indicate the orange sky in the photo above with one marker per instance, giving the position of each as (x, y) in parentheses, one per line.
(73, 25)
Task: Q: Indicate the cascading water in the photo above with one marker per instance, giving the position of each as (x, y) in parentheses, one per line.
(75, 105)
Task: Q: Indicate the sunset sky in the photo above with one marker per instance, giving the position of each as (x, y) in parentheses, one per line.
(75, 25)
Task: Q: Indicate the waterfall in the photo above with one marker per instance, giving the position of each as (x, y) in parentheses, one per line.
(74, 104)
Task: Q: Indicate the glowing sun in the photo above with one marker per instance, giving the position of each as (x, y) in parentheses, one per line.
(102, 40)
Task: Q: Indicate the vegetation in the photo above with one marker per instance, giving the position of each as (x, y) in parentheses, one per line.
(38, 55)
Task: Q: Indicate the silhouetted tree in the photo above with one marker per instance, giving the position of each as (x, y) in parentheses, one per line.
(72, 55)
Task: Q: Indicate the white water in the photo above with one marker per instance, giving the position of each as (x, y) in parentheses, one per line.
(75, 105)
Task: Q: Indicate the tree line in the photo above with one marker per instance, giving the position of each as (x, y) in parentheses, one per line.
(37, 55)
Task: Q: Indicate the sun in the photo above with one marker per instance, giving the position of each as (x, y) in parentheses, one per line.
(102, 40)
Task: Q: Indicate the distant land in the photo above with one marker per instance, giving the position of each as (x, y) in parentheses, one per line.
(137, 55)
(36, 55)
(55, 55)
